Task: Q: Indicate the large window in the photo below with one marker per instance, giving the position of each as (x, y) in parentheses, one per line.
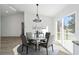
(66, 27)
(69, 26)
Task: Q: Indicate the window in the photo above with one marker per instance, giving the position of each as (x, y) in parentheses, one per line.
(66, 27)
(69, 26)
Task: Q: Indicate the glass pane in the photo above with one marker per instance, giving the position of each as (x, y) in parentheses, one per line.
(69, 26)
(59, 24)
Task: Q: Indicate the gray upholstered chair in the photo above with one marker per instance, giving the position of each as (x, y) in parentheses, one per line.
(48, 43)
(29, 39)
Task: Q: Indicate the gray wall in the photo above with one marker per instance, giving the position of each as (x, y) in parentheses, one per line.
(11, 24)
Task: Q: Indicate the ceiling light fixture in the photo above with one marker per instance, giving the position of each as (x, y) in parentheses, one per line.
(37, 19)
(12, 8)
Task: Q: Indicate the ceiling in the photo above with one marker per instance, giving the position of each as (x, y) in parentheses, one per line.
(7, 9)
(44, 9)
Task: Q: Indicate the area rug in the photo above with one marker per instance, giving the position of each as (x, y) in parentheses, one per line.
(31, 51)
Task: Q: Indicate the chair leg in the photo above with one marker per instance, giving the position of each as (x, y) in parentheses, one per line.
(52, 47)
(35, 48)
(39, 48)
(22, 48)
(47, 51)
(26, 49)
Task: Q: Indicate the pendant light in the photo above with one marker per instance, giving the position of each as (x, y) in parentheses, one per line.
(37, 19)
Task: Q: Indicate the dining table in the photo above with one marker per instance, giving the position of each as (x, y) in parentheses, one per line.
(37, 40)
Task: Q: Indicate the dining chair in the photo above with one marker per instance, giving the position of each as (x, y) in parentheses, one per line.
(24, 43)
(48, 43)
(29, 39)
(29, 36)
(46, 37)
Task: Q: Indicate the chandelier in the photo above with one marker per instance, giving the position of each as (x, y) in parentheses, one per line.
(37, 19)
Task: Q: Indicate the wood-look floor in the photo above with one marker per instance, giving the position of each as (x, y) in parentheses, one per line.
(7, 45)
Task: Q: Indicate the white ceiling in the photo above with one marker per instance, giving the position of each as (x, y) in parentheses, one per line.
(7, 9)
(44, 9)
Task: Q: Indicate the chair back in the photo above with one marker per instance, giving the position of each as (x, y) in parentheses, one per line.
(50, 41)
(24, 40)
(47, 36)
(29, 35)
